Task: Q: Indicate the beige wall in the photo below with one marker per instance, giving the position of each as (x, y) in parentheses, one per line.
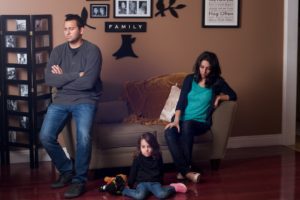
(251, 56)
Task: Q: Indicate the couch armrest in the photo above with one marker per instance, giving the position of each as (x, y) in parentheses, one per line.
(222, 120)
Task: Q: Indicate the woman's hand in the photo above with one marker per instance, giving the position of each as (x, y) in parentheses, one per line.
(219, 98)
(173, 124)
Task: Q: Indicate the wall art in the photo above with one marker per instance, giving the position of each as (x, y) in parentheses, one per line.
(220, 13)
(99, 10)
(133, 8)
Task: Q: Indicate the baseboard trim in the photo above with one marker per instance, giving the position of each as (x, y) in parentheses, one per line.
(255, 141)
(22, 156)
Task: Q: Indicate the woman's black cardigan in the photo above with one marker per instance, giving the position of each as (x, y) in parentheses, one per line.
(220, 86)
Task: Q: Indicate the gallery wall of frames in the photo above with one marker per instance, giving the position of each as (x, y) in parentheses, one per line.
(26, 43)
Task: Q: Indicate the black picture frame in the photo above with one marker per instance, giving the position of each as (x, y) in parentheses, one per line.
(99, 10)
(133, 8)
(221, 14)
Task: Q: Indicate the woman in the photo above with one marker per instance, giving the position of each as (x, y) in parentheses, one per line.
(201, 93)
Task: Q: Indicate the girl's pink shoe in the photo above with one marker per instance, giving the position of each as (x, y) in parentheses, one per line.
(179, 187)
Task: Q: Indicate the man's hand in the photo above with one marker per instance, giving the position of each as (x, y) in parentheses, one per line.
(55, 69)
(81, 74)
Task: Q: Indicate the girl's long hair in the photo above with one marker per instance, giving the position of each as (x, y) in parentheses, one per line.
(215, 69)
(152, 141)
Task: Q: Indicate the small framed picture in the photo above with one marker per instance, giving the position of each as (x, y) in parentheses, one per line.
(133, 8)
(22, 58)
(12, 105)
(12, 136)
(39, 58)
(21, 25)
(10, 41)
(24, 122)
(23, 90)
(11, 73)
(99, 10)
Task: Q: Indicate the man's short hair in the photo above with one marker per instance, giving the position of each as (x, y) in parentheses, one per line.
(77, 18)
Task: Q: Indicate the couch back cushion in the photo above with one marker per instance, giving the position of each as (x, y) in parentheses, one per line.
(147, 98)
(111, 111)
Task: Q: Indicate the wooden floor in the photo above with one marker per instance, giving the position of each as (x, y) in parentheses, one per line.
(245, 174)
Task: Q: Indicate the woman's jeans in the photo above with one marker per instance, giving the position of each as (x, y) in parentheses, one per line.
(54, 122)
(181, 143)
(144, 189)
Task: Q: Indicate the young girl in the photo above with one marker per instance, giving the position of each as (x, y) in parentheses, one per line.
(147, 172)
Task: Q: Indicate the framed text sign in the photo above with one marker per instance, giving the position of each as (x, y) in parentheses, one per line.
(220, 13)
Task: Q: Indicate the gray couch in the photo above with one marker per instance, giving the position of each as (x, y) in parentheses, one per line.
(114, 141)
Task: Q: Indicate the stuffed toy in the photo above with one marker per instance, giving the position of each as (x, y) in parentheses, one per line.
(114, 185)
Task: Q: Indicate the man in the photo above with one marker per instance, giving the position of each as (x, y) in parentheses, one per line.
(74, 69)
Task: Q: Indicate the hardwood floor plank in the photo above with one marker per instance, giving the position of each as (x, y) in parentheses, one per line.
(267, 173)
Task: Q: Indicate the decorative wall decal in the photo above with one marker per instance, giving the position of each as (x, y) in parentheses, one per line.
(125, 26)
(126, 48)
(172, 8)
(84, 16)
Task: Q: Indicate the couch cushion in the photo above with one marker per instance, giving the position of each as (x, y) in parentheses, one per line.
(147, 98)
(111, 111)
(107, 136)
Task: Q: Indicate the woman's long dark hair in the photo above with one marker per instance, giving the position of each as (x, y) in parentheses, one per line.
(152, 141)
(215, 69)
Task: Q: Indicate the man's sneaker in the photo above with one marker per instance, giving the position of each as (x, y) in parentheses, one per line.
(74, 190)
(63, 180)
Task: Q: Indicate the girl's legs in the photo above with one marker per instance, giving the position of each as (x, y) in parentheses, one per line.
(141, 191)
(161, 192)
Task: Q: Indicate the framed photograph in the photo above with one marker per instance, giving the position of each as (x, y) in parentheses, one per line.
(99, 10)
(12, 105)
(23, 90)
(10, 41)
(22, 58)
(24, 122)
(133, 8)
(12, 136)
(220, 14)
(11, 73)
(21, 25)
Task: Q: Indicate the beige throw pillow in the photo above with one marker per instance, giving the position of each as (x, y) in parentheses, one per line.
(170, 105)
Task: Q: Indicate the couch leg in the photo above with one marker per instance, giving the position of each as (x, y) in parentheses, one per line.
(215, 164)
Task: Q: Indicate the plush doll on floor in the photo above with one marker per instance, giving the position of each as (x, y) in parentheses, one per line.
(114, 185)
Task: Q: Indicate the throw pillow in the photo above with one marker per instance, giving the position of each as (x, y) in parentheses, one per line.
(170, 105)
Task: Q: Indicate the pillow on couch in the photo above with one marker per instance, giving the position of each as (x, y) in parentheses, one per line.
(111, 112)
(147, 98)
(170, 105)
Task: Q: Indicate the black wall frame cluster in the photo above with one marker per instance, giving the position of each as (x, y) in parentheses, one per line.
(26, 43)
